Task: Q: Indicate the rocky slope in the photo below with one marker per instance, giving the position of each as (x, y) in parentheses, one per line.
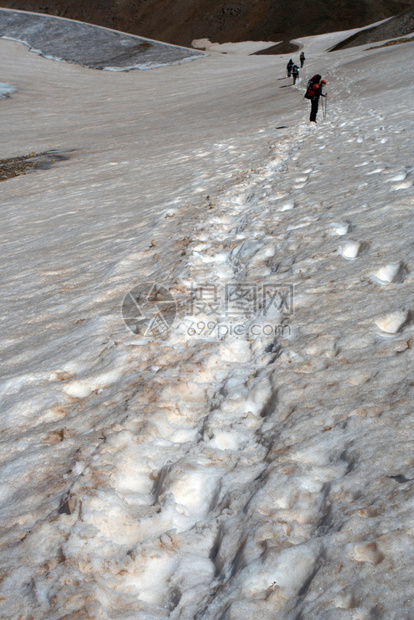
(182, 21)
(398, 26)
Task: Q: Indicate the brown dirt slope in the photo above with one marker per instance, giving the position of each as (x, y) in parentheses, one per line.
(396, 27)
(181, 21)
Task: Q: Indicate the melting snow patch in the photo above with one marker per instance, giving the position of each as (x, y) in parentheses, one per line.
(6, 90)
(287, 206)
(393, 272)
(341, 228)
(392, 323)
(285, 571)
(85, 387)
(350, 250)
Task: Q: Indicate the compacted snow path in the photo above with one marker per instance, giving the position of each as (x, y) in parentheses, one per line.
(250, 465)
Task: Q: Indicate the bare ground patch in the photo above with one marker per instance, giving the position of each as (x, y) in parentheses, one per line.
(15, 166)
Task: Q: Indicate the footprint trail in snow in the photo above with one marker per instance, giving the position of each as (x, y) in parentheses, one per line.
(241, 479)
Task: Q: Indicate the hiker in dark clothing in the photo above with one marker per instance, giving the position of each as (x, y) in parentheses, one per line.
(302, 59)
(317, 92)
(289, 67)
(295, 73)
(309, 89)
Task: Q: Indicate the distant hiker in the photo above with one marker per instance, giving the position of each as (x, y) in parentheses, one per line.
(302, 59)
(295, 73)
(314, 92)
(289, 67)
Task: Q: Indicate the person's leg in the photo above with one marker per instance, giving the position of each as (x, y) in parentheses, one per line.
(314, 110)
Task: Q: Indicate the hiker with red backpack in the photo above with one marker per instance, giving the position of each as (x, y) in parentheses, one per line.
(314, 92)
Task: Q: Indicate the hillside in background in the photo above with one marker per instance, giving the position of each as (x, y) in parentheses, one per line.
(398, 26)
(182, 21)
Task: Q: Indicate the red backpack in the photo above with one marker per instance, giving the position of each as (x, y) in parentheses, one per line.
(313, 85)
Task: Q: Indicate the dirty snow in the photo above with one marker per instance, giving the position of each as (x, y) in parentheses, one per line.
(260, 473)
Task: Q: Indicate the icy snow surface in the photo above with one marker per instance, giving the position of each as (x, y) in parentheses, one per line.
(88, 45)
(194, 475)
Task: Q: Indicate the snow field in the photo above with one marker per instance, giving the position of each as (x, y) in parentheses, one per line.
(221, 477)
